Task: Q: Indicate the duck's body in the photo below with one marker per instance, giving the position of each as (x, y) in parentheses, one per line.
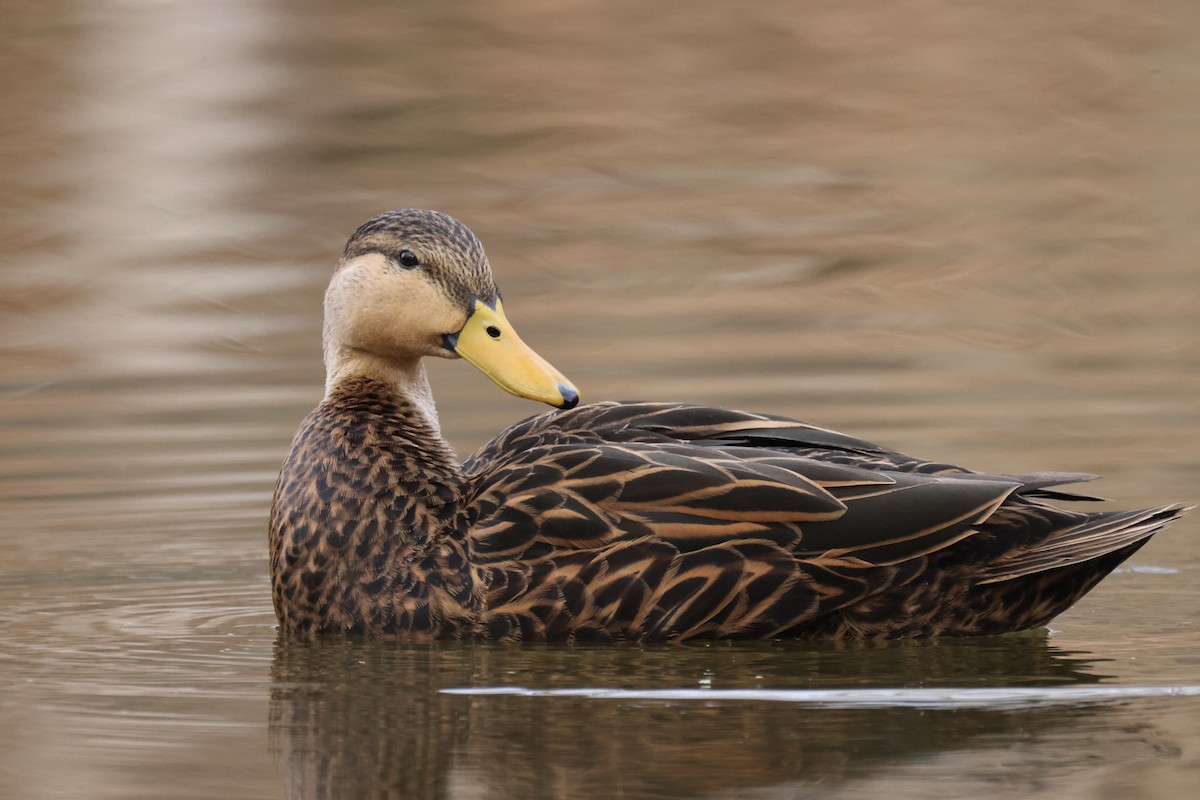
(632, 521)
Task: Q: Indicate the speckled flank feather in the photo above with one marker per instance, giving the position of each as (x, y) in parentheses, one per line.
(640, 521)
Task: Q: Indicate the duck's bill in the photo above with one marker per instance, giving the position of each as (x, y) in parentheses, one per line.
(489, 342)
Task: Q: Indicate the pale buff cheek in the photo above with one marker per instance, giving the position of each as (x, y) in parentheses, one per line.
(391, 313)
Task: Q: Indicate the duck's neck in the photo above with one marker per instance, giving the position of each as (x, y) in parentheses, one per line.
(404, 379)
(366, 526)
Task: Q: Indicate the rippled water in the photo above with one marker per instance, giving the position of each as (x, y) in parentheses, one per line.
(968, 232)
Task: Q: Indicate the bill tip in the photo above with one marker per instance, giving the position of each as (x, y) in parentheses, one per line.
(569, 394)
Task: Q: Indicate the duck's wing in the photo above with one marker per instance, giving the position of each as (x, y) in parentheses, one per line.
(694, 476)
(722, 428)
(699, 525)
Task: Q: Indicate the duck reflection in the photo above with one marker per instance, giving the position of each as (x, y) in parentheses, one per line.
(356, 719)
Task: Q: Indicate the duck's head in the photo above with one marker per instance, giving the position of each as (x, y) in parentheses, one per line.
(416, 283)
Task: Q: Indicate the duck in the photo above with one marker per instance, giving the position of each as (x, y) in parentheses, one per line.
(629, 521)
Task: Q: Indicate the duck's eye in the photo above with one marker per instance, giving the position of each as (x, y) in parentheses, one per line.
(408, 258)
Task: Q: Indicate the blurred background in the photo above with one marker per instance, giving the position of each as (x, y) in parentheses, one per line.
(965, 230)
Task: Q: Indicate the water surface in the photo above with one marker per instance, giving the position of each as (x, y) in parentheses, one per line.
(965, 232)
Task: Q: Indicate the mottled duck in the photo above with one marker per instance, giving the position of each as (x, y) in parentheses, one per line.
(629, 520)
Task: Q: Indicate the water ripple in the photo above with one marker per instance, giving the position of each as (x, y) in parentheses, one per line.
(936, 699)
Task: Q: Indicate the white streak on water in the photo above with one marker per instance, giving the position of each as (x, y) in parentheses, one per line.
(981, 698)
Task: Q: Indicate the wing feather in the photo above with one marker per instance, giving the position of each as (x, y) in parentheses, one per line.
(653, 520)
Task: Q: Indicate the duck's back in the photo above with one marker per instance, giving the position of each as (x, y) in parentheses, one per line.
(667, 521)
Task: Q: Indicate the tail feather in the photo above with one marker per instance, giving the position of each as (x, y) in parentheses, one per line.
(1041, 485)
(1102, 533)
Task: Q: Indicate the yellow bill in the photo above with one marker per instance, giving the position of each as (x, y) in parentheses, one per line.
(489, 342)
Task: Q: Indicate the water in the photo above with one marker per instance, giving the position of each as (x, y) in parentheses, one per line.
(967, 232)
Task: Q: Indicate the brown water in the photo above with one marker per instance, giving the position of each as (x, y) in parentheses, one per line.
(966, 230)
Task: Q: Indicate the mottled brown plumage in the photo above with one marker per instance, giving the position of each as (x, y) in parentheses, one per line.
(631, 521)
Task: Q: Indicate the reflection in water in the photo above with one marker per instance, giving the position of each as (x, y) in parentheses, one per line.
(360, 719)
(163, 123)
